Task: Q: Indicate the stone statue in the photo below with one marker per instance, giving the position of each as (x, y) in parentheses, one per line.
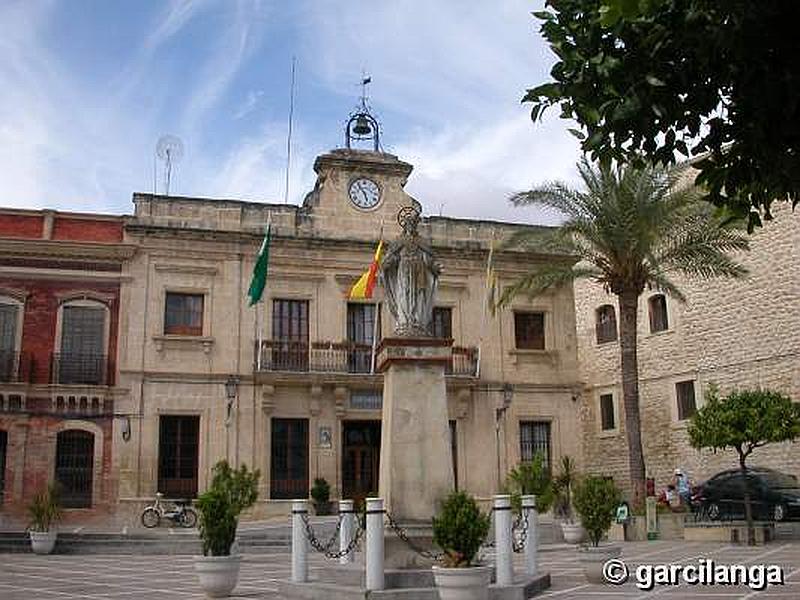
(409, 275)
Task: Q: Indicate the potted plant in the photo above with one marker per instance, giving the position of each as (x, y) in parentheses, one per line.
(459, 530)
(321, 495)
(596, 500)
(231, 492)
(45, 512)
(563, 485)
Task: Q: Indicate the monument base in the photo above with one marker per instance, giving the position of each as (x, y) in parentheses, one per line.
(402, 554)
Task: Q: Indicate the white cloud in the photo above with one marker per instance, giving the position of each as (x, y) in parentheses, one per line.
(249, 104)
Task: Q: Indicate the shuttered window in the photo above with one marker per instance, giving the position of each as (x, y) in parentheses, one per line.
(659, 320)
(82, 357)
(684, 390)
(183, 314)
(442, 322)
(607, 412)
(8, 341)
(529, 330)
(289, 459)
(606, 324)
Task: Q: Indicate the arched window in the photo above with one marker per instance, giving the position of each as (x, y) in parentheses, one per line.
(75, 467)
(606, 324)
(11, 311)
(659, 320)
(83, 343)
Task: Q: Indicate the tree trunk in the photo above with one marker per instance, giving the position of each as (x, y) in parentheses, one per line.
(628, 309)
(748, 508)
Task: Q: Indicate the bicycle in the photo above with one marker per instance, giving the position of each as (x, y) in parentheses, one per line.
(182, 514)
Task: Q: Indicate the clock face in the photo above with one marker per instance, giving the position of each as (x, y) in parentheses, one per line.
(364, 193)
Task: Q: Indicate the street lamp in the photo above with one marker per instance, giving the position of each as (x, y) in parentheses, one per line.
(499, 412)
(231, 389)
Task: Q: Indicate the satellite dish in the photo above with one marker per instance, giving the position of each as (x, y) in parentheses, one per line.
(169, 149)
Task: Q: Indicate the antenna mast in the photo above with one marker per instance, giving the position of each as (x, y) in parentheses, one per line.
(169, 149)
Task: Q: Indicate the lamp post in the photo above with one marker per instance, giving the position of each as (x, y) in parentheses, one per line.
(500, 411)
(231, 389)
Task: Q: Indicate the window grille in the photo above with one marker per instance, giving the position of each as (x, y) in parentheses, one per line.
(534, 438)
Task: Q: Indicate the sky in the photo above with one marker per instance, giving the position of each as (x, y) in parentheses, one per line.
(87, 87)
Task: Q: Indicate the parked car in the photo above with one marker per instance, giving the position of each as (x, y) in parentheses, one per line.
(775, 496)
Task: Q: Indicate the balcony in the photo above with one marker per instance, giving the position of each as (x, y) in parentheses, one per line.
(342, 357)
(15, 367)
(79, 369)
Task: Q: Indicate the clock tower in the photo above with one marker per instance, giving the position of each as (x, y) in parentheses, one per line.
(358, 191)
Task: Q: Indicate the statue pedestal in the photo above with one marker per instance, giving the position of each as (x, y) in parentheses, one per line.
(416, 465)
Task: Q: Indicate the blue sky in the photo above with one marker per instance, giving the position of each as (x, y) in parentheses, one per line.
(88, 87)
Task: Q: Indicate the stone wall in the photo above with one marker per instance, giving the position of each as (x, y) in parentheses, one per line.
(736, 334)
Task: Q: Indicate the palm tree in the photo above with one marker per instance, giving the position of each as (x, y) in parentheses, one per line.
(629, 229)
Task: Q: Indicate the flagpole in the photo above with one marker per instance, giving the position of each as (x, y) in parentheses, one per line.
(260, 313)
(375, 320)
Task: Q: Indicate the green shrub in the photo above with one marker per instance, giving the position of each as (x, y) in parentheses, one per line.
(531, 478)
(321, 491)
(596, 500)
(45, 508)
(459, 529)
(231, 492)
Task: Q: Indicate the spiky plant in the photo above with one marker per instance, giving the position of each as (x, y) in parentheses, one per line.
(628, 229)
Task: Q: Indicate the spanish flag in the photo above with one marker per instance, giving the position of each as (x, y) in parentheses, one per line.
(366, 283)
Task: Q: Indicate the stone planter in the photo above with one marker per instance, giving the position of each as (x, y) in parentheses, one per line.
(593, 558)
(573, 532)
(43, 542)
(218, 575)
(470, 583)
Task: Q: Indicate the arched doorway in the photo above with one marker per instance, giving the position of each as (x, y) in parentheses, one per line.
(75, 467)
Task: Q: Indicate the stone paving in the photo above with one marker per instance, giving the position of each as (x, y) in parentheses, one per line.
(68, 577)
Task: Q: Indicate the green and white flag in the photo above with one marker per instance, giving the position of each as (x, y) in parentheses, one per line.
(259, 280)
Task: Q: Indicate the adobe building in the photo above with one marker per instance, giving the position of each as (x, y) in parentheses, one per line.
(734, 334)
(60, 277)
(305, 400)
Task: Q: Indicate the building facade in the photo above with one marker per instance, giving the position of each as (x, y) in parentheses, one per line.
(60, 276)
(733, 334)
(305, 400)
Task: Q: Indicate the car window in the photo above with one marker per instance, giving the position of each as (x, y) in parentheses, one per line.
(779, 480)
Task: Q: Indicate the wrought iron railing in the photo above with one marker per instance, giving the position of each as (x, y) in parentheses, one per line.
(78, 368)
(342, 357)
(464, 362)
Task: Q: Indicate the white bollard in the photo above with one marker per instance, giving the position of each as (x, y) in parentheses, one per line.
(374, 550)
(299, 542)
(346, 530)
(504, 566)
(532, 537)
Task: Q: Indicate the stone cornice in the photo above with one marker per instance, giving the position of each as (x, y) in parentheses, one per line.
(116, 252)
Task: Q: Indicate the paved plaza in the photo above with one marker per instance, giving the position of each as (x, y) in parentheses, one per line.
(67, 577)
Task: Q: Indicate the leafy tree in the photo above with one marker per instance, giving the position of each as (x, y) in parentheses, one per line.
(630, 229)
(744, 420)
(697, 78)
(596, 500)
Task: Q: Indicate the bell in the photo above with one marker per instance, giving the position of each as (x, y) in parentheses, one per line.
(362, 126)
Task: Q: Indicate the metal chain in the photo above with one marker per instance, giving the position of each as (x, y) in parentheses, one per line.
(400, 533)
(326, 547)
(523, 534)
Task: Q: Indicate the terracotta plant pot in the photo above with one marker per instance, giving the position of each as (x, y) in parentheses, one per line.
(469, 583)
(592, 558)
(43, 542)
(218, 575)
